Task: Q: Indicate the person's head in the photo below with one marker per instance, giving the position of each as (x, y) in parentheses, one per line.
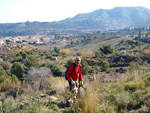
(78, 61)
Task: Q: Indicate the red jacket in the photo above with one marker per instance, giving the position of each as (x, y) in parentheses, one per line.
(74, 73)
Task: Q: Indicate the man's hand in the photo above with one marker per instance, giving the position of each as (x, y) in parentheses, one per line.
(81, 83)
(73, 82)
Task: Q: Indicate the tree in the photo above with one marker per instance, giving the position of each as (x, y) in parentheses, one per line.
(17, 70)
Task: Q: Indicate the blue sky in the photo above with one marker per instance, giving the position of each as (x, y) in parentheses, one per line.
(13, 11)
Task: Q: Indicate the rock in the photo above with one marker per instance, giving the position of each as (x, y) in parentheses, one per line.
(69, 103)
(43, 95)
(53, 98)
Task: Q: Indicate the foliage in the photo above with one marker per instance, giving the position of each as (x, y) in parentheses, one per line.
(87, 53)
(85, 67)
(69, 62)
(105, 66)
(79, 54)
(133, 66)
(23, 54)
(54, 106)
(3, 74)
(32, 61)
(7, 84)
(17, 70)
(97, 54)
(72, 42)
(6, 65)
(14, 79)
(64, 52)
(54, 69)
(56, 49)
(106, 49)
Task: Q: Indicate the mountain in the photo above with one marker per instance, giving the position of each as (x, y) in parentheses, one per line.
(102, 19)
(116, 18)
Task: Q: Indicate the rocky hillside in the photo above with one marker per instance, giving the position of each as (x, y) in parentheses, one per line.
(102, 19)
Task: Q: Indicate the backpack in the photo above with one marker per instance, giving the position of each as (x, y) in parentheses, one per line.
(72, 70)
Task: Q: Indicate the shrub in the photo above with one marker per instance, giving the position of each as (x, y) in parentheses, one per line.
(54, 106)
(64, 52)
(3, 74)
(137, 83)
(38, 75)
(105, 66)
(87, 53)
(14, 79)
(54, 69)
(97, 54)
(85, 67)
(79, 54)
(23, 54)
(106, 49)
(6, 85)
(32, 61)
(6, 65)
(17, 70)
(56, 49)
(133, 66)
(69, 62)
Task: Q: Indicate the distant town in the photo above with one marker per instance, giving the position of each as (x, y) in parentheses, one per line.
(42, 41)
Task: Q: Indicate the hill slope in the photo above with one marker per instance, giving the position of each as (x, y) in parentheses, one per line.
(102, 19)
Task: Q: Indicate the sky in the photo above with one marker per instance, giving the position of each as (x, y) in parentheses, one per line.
(13, 11)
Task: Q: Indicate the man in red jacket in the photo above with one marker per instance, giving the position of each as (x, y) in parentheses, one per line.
(74, 74)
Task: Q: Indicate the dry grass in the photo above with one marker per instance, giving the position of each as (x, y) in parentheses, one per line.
(58, 83)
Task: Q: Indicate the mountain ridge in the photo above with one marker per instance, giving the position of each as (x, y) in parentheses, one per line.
(100, 19)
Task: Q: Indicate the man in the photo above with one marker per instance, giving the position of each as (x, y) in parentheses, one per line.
(74, 74)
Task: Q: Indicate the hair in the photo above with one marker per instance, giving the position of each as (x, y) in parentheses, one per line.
(77, 58)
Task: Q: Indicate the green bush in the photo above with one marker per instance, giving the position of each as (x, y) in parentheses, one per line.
(56, 49)
(106, 49)
(54, 69)
(23, 54)
(97, 54)
(32, 61)
(105, 66)
(54, 106)
(3, 74)
(17, 70)
(69, 62)
(79, 54)
(133, 66)
(85, 67)
(14, 79)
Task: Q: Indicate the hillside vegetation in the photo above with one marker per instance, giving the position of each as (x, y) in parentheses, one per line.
(101, 19)
(32, 80)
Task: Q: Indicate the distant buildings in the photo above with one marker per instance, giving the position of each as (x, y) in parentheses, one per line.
(26, 39)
